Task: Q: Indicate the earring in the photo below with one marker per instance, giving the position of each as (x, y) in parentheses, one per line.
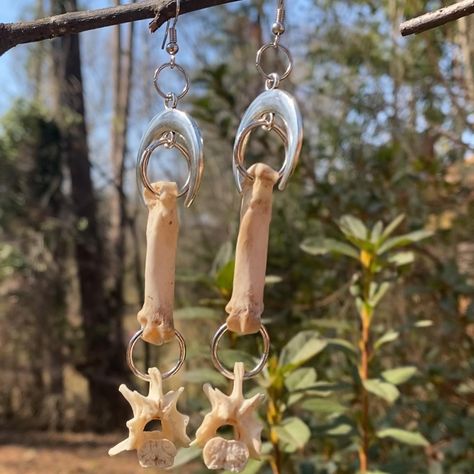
(172, 129)
(246, 304)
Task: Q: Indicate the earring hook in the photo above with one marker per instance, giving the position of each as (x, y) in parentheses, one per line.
(171, 31)
(278, 27)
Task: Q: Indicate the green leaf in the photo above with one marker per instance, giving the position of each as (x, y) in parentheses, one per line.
(403, 240)
(402, 258)
(294, 433)
(301, 379)
(379, 293)
(323, 406)
(321, 246)
(399, 375)
(352, 226)
(340, 430)
(424, 323)
(273, 279)
(299, 382)
(384, 390)
(343, 344)
(376, 232)
(252, 467)
(393, 225)
(403, 436)
(230, 356)
(197, 312)
(389, 336)
(301, 348)
(186, 455)
(225, 277)
(205, 375)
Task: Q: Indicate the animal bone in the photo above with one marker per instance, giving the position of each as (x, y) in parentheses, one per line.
(246, 304)
(238, 412)
(222, 454)
(156, 315)
(154, 448)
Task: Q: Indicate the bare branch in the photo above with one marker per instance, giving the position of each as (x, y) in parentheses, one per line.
(12, 34)
(437, 18)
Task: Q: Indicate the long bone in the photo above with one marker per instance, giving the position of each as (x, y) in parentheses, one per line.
(246, 304)
(156, 315)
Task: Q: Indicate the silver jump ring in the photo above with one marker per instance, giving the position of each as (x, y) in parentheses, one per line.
(258, 61)
(169, 141)
(266, 124)
(164, 375)
(168, 96)
(247, 375)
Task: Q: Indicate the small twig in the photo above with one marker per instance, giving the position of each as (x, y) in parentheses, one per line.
(437, 18)
(12, 34)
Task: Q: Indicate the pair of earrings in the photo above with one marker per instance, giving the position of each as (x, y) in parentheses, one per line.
(273, 110)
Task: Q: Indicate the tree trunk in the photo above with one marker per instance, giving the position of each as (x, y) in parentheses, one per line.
(123, 69)
(103, 362)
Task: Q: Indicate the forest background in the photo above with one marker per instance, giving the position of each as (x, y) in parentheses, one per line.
(369, 297)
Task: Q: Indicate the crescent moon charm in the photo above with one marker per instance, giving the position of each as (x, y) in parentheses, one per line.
(284, 106)
(187, 131)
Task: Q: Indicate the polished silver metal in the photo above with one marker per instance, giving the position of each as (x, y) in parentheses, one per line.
(277, 46)
(164, 375)
(242, 139)
(273, 82)
(229, 374)
(171, 30)
(187, 132)
(169, 95)
(284, 107)
(145, 160)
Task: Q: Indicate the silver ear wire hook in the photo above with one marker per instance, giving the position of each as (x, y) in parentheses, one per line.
(186, 136)
(278, 27)
(276, 104)
(172, 47)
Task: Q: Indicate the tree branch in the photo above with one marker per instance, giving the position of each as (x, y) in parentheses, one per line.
(437, 18)
(12, 34)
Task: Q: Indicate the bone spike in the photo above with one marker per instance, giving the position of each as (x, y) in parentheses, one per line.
(246, 304)
(156, 315)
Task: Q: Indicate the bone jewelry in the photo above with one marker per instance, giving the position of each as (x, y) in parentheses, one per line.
(173, 129)
(238, 412)
(154, 448)
(246, 304)
(256, 185)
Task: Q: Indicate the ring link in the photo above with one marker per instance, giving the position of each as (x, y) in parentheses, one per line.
(267, 123)
(247, 375)
(168, 139)
(168, 96)
(270, 76)
(164, 375)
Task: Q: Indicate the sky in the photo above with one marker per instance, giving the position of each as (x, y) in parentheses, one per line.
(96, 64)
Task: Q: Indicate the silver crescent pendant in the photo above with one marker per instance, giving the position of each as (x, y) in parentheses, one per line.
(187, 131)
(283, 106)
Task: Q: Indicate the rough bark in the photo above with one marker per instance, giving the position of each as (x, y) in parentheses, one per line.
(123, 70)
(437, 18)
(12, 34)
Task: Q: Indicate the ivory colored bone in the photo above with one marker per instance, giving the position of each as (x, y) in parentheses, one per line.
(246, 304)
(156, 315)
(154, 448)
(238, 412)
